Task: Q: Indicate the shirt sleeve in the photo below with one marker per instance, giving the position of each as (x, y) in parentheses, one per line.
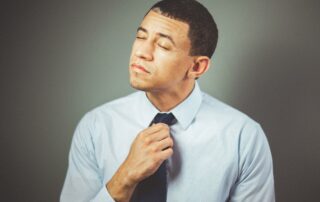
(255, 180)
(84, 181)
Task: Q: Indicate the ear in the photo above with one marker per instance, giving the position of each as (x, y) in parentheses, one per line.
(200, 66)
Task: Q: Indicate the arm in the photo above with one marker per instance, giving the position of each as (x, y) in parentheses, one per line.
(149, 149)
(84, 179)
(255, 181)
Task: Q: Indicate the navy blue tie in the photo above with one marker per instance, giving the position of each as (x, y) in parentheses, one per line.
(154, 188)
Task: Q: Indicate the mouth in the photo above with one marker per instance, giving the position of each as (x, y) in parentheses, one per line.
(139, 68)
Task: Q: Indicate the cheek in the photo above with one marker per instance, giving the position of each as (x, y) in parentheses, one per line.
(174, 63)
(165, 65)
(133, 48)
(164, 58)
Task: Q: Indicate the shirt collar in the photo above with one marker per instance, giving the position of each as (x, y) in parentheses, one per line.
(184, 112)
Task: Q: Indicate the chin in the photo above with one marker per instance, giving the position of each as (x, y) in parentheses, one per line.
(138, 85)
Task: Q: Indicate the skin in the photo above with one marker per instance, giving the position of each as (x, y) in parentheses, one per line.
(161, 66)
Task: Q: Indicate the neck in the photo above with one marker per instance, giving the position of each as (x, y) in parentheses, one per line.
(166, 100)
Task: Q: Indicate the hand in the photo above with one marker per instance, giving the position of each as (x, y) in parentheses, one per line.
(150, 148)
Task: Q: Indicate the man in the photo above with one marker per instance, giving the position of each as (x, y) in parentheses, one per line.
(198, 150)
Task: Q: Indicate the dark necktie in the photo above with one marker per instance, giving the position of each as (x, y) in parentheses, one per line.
(154, 188)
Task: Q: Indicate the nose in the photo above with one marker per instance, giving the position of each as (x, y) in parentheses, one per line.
(144, 50)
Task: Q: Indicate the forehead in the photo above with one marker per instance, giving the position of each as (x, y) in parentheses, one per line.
(154, 22)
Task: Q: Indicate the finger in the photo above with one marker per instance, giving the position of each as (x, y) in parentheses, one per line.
(159, 135)
(165, 144)
(155, 128)
(165, 154)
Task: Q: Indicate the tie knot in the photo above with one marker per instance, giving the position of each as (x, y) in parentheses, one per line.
(167, 118)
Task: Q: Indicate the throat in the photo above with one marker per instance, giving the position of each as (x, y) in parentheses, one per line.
(166, 101)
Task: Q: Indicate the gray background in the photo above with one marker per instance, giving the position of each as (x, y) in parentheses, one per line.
(61, 59)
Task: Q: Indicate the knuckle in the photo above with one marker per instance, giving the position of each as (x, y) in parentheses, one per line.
(170, 151)
(164, 126)
(141, 134)
(170, 142)
(147, 140)
(153, 149)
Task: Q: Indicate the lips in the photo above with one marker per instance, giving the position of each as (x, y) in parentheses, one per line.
(139, 67)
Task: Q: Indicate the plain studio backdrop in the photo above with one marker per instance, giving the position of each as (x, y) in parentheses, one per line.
(60, 59)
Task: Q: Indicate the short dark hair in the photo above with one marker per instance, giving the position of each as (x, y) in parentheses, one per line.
(203, 31)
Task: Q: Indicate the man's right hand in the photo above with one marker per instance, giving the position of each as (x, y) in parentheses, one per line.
(150, 148)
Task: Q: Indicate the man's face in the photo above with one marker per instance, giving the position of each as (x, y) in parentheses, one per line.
(160, 55)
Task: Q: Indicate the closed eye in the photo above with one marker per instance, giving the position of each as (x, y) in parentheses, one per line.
(164, 47)
(140, 37)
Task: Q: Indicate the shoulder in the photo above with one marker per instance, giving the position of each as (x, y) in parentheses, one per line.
(118, 105)
(104, 113)
(230, 122)
(218, 110)
(234, 124)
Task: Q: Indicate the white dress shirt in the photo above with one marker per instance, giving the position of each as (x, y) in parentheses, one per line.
(220, 154)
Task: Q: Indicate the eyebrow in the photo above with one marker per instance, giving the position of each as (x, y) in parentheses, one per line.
(158, 33)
